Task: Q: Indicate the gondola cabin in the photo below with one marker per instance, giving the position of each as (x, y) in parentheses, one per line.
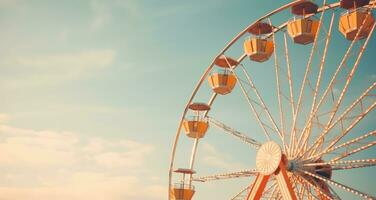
(353, 21)
(182, 190)
(302, 29)
(197, 125)
(259, 47)
(222, 82)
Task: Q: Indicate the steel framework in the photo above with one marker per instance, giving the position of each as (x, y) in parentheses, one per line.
(316, 115)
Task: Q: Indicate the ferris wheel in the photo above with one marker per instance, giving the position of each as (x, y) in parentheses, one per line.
(314, 117)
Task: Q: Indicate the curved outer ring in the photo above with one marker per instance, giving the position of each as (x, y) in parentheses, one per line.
(236, 38)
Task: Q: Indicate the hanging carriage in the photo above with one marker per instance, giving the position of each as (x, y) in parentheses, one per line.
(303, 29)
(259, 47)
(196, 125)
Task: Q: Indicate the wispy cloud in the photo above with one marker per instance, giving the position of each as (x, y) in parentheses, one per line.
(84, 185)
(52, 68)
(132, 158)
(4, 117)
(101, 14)
(215, 158)
(23, 147)
(62, 165)
(80, 61)
(6, 3)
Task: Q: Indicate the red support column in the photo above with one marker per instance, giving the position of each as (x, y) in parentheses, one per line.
(283, 181)
(258, 187)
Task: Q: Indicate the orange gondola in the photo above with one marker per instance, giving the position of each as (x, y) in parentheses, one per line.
(259, 48)
(182, 190)
(302, 29)
(196, 126)
(352, 20)
(222, 82)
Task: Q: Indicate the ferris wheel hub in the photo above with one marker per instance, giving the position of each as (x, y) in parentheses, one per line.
(268, 158)
(292, 165)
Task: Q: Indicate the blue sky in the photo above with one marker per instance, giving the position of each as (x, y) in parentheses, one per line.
(92, 92)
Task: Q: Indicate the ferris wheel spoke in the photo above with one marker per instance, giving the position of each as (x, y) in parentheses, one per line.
(274, 190)
(279, 93)
(310, 194)
(303, 188)
(337, 184)
(265, 109)
(349, 79)
(276, 194)
(308, 70)
(310, 182)
(351, 126)
(268, 193)
(346, 164)
(353, 166)
(291, 89)
(297, 187)
(319, 77)
(333, 80)
(354, 151)
(230, 175)
(347, 145)
(250, 103)
(241, 195)
(301, 192)
(244, 138)
(354, 120)
(334, 193)
(344, 116)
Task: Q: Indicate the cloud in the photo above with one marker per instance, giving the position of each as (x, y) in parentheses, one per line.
(134, 157)
(214, 158)
(63, 61)
(35, 148)
(48, 68)
(101, 15)
(47, 164)
(8, 3)
(93, 186)
(4, 117)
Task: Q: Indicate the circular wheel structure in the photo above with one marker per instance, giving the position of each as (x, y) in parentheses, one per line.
(309, 101)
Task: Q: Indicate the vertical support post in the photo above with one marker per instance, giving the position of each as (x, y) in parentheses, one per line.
(283, 181)
(258, 187)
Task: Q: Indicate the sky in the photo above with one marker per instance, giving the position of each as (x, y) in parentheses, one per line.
(92, 93)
